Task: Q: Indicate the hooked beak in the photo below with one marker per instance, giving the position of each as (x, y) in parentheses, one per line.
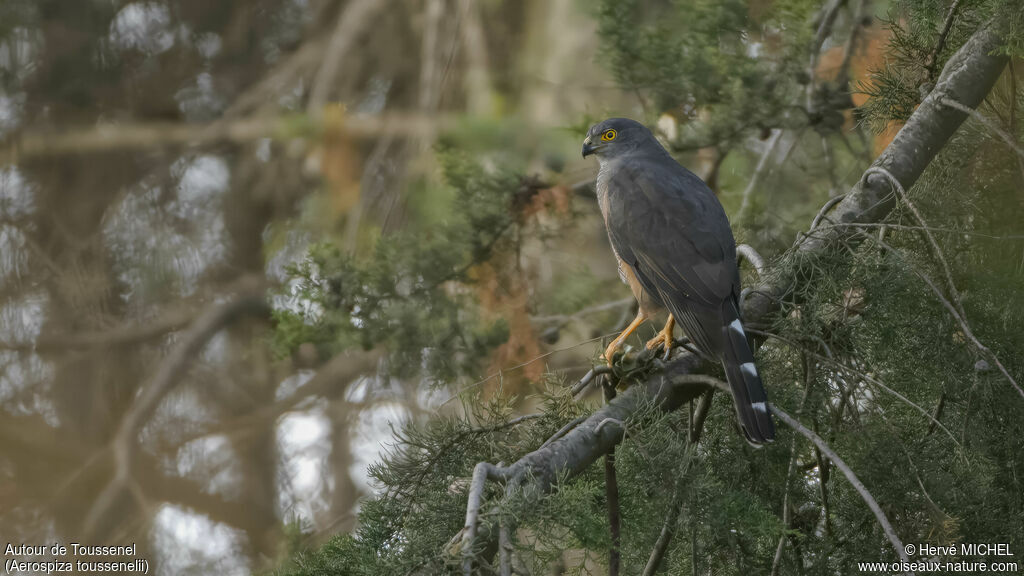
(589, 148)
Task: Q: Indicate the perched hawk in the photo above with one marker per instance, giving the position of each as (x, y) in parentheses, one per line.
(676, 251)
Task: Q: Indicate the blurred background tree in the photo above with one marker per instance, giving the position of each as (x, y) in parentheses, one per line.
(277, 274)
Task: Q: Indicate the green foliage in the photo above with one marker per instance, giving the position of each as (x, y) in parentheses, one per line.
(917, 52)
(945, 490)
(892, 93)
(422, 487)
(863, 347)
(403, 295)
(704, 56)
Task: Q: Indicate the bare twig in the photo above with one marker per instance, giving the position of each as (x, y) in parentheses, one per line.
(823, 477)
(747, 252)
(954, 294)
(965, 328)
(564, 429)
(933, 57)
(825, 208)
(505, 547)
(937, 414)
(987, 122)
(606, 421)
(562, 319)
(353, 17)
(826, 19)
(850, 476)
(762, 165)
(700, 414)
(668, 528)
(481, 474)
(588, 378)
(791, 469)
(859, 21)
(611, 490)
(665, 536)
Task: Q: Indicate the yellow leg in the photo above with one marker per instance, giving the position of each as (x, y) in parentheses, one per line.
(609, 352)
(663, 337)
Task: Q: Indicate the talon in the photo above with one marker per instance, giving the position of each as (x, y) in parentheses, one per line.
(658, 341)
(664, 338)
(609, 352)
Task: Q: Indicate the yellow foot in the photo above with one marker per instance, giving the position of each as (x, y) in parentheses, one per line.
(664, 338)
(609, 352)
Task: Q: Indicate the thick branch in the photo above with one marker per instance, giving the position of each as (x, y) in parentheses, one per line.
(595, 436)
(967, 77)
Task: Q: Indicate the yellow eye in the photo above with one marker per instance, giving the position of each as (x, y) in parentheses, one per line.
(608, 135)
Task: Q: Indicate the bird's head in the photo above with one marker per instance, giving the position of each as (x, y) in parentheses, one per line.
(616, 136)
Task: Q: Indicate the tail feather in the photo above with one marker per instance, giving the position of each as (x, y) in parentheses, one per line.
(747, 389)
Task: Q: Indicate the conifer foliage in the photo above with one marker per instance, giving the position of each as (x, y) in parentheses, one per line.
(898, 345)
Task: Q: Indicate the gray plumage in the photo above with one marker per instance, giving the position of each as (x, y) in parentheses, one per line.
(676, 250)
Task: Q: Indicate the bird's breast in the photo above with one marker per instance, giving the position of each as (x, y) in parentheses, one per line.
(601, 187)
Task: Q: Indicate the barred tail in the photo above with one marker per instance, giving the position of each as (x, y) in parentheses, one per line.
(747, 390)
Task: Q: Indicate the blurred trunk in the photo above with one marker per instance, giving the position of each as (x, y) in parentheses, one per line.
(340, 518)
(89, 388)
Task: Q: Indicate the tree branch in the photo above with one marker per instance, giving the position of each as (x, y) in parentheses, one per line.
(933, 57)
(354, 16)
(611, 490)
(665, 536)
(668, 528)
(147, 135)
(762, 165)
(167, 375)
(128, 333)
(964, 326)
(700, 414)
(854, 481)
(747, 252)
(967, 78)
(988, 123)
(791, 468)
